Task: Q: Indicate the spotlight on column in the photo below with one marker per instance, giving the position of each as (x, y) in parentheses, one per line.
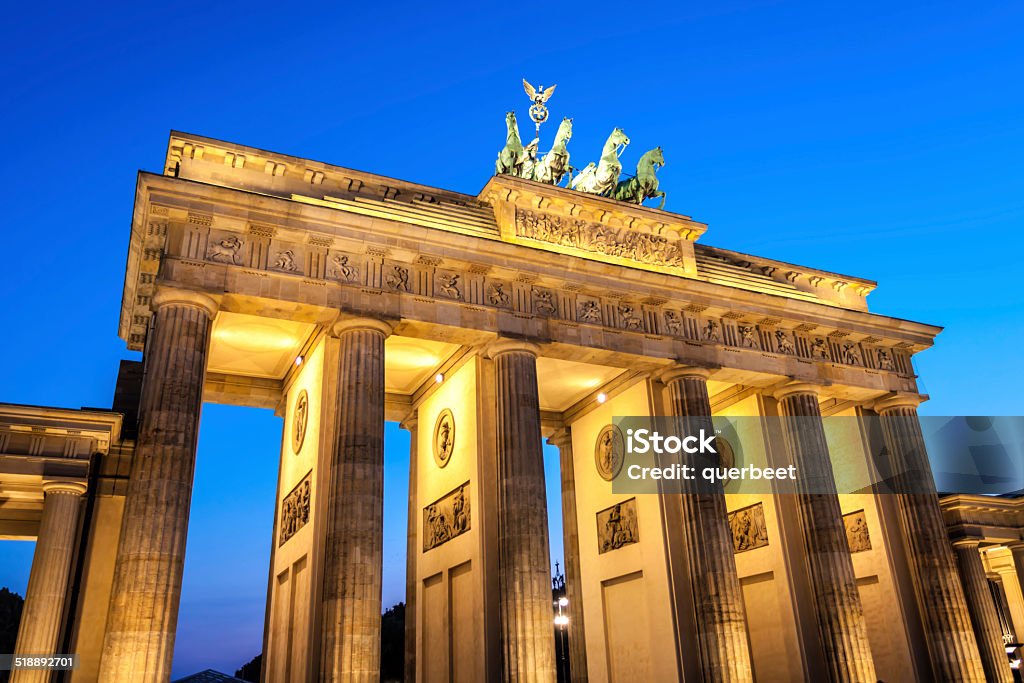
(439, 377)
(561, 620)
(298, 360)
(602, 397)
(563, 602)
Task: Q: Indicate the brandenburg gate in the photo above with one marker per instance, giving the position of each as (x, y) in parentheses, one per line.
(486, 324)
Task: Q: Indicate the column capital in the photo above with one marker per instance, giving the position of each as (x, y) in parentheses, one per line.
(898, 400)
(966, 542)
(561, 438)
(791, 388)
(67, 486)
(508, 345)
(1015, 548)
(675, 372)
(184, 297)
(349, 324)
(410, 421)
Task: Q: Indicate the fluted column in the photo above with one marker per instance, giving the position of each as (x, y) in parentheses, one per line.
(940, 596)
(350, 635)
(571, 547)
(412, 552)
(718, 598)
(524, 564)
(1017, 551)
(983, 612)
(139, 642)
(42, 615)
(840, 615)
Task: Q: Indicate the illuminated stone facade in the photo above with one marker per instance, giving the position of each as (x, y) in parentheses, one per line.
(485, 324)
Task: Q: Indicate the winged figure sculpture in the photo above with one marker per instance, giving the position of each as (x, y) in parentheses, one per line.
(538, 95)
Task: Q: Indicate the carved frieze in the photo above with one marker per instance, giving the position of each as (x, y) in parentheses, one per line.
(446, 518)
(749, 530)
(295, 509)
(617, 526)
(497, 295)
(599, 239)
(444, 437)
(857, 531)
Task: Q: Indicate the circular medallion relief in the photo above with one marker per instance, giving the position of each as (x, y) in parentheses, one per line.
(444, 437)
(609, 452)
(300, 418)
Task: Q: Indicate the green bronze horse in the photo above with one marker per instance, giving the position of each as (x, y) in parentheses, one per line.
(555, 164)
(645, 184)
(510, 158)
(601, 179)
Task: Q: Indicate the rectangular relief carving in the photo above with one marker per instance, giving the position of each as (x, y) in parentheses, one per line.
(446, 518)
(295, 509)
(617, 526)
(599, 239)
(749, 530)
(857, 531)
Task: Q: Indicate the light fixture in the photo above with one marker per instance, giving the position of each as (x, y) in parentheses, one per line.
(562, 602)
(439, 377)
(602, 397)
(561, 620)
(298, 361)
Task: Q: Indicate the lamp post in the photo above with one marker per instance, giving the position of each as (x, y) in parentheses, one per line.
(560, 604)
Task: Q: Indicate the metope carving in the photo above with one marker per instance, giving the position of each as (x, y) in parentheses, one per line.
(224, 251)
(885, 361)
(749, 530)
(599, 239)
(444, 437)
(543, 302)
(449, 286)
(497, 296)
(857, 531)
(819, 349)
(286, 261)
(617, 526)
(850, 354)
(748, 336)
(589, 312)
(630, 320)
(398, 279)
(712, 331)
(446, 518)
(673, 323)
(342, 269)
(784, 343)
(295, 509)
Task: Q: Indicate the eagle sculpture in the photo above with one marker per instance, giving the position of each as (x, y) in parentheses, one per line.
(538, 95)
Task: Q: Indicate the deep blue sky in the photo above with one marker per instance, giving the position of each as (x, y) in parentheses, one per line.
(877, 139)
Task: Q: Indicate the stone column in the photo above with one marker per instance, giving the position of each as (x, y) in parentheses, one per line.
(571, 545)
(983, 612)
(139, 642)
(940, 595)
(840, 615)
(524, 563)
(412, 552)
(42, 615)
(1017, 551)
(718, 599)
(350, 632)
